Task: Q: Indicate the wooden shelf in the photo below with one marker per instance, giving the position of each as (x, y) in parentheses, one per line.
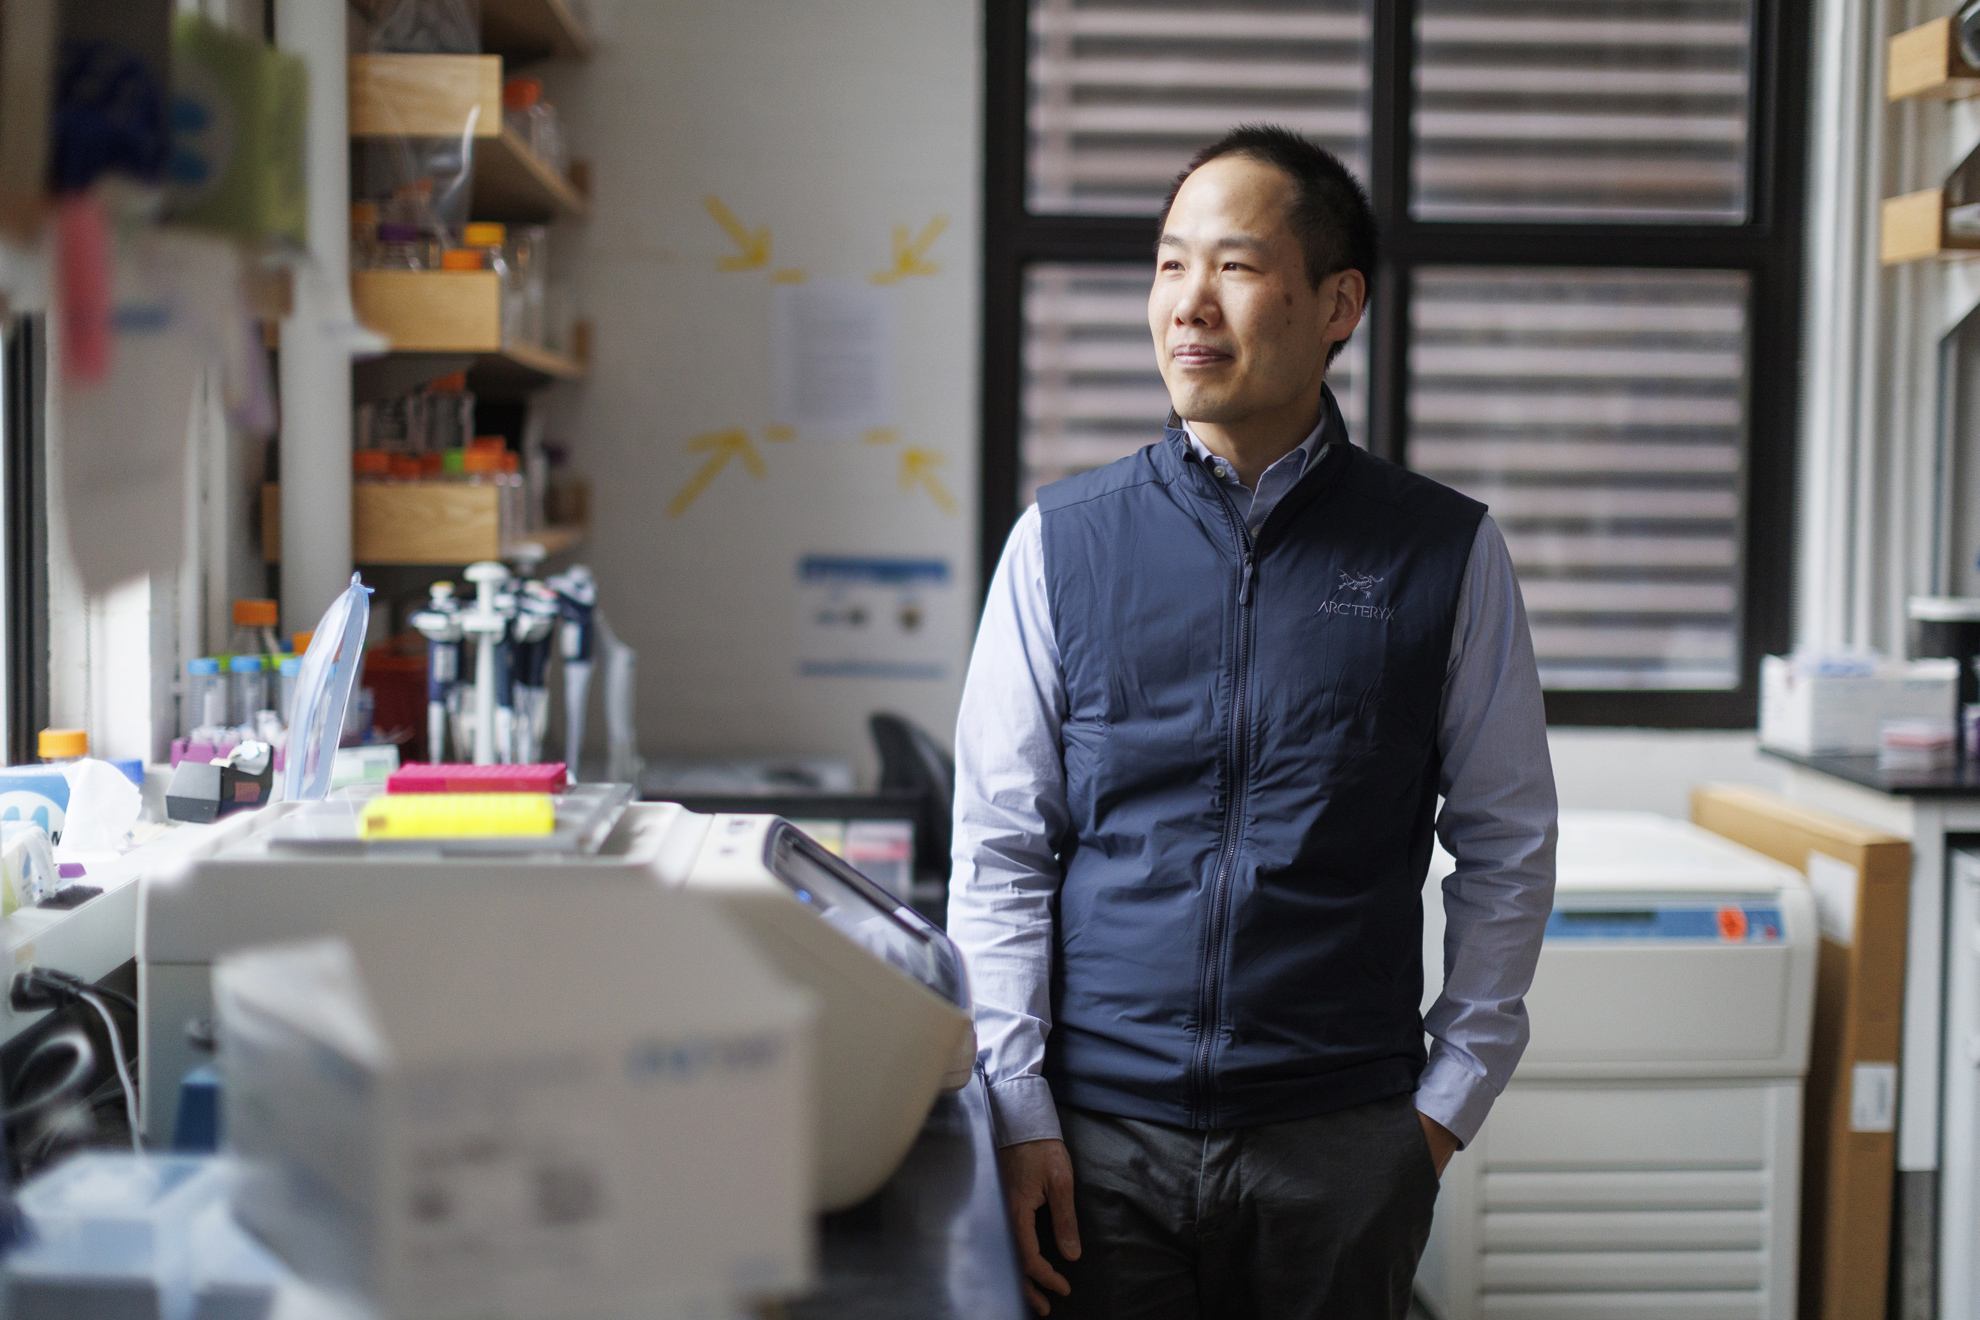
(425, 95)
(438, 96)
(520, 368)
(431, 311)
(441, 316)
(1914, 228)
(1925, 62)
(532, 29)
(512, 182)
(436, 524)
(554, 540)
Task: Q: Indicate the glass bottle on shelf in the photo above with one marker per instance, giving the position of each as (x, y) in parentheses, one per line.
(528, 253)
(61, 746)
(255, 622)
(450, 413)
(399, 247)
(364, 235)
(489, 239)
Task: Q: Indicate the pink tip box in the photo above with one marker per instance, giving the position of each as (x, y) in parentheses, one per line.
(422, 778)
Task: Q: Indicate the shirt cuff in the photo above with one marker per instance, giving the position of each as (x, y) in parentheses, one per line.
(1454, 1095)
(1023, 1110)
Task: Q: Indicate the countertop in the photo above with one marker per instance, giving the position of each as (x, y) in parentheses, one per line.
(1961, 779)
(934, 1242)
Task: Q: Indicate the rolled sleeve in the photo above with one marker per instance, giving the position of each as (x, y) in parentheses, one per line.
(1499, 822)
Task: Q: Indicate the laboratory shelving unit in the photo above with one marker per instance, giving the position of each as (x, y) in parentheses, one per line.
(441, 322)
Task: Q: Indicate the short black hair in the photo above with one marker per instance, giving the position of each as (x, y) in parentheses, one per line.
(1331, 215)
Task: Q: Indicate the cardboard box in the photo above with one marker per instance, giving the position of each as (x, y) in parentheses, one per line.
(1862, 883)
(529, 1105)
(1838, 715)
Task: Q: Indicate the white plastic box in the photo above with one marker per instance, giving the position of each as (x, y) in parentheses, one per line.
(542, 1104)
(1839, 715)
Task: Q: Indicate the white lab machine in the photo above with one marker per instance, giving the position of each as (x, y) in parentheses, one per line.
(894, 1027)
(1644, 1163)
(893, 1032)
(1959, 1185)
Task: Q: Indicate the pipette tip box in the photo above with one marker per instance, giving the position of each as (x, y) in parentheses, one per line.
(547, 778)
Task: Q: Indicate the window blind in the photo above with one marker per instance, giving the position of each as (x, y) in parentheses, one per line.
(1617, 110)
(1601, 414)
(1122, 91)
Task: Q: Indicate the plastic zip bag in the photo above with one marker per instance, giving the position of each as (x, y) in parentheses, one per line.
(323, 690)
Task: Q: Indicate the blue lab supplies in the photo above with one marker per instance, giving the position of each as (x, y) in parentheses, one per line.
(37, 794)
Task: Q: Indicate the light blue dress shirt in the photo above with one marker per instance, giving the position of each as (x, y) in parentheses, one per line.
(1497, 819)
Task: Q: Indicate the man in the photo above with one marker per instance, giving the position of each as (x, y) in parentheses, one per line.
(1218, 690)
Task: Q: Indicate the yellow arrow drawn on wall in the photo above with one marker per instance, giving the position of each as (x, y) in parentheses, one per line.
(754, 244)
(908, 253)
(720, 446)
(918, 469)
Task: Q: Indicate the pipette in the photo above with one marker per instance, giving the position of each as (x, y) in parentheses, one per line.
(577, 601)
(484, 625)
(440, 624)
(529, 647)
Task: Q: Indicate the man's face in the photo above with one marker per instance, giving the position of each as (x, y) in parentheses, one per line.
(1239, 330)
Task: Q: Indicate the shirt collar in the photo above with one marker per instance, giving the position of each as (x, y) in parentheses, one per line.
(1295, 462)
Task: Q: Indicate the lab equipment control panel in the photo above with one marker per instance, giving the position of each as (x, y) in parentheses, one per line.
(1690, 922)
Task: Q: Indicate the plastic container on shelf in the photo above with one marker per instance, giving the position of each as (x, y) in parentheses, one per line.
(248, 681)
(206, 699)
(371, 465)
(364, 235)
(405, 467)
(62, 746)
(400, 247)
(255, 622)
(458, 259)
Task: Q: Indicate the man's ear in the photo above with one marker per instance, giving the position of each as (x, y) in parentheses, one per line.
(1350, 299)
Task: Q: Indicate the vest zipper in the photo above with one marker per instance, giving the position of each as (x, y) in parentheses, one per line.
(1210, 995)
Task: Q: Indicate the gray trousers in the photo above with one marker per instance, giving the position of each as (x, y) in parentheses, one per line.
(1321, 1218)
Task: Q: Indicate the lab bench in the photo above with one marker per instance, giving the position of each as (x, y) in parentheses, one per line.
(934, 1243)
(1938, 811)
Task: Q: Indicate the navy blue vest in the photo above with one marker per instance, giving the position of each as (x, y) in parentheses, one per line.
(1251, 761)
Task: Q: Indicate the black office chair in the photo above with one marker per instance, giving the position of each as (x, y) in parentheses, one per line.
(912, 761)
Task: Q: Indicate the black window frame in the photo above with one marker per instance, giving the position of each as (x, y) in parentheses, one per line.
(1766, 247)
(24, 487)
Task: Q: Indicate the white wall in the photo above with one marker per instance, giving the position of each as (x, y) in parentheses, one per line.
(831, 124)
(1653, 769)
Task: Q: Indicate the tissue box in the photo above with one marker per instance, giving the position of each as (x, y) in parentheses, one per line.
(1839, 715)
(533, 1105)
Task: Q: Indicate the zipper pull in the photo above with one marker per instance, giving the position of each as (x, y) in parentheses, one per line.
(1244, 584)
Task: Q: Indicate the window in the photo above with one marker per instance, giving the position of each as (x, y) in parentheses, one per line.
(1586, 314)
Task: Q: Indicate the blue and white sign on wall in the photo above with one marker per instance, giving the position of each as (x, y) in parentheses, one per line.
(871, 617)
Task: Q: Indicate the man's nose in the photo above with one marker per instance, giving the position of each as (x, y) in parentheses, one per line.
(1197, 305)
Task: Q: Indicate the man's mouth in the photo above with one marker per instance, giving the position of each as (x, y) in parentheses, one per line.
(1197, 355)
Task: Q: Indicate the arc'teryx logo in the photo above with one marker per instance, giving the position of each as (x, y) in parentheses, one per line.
(1362, 584)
